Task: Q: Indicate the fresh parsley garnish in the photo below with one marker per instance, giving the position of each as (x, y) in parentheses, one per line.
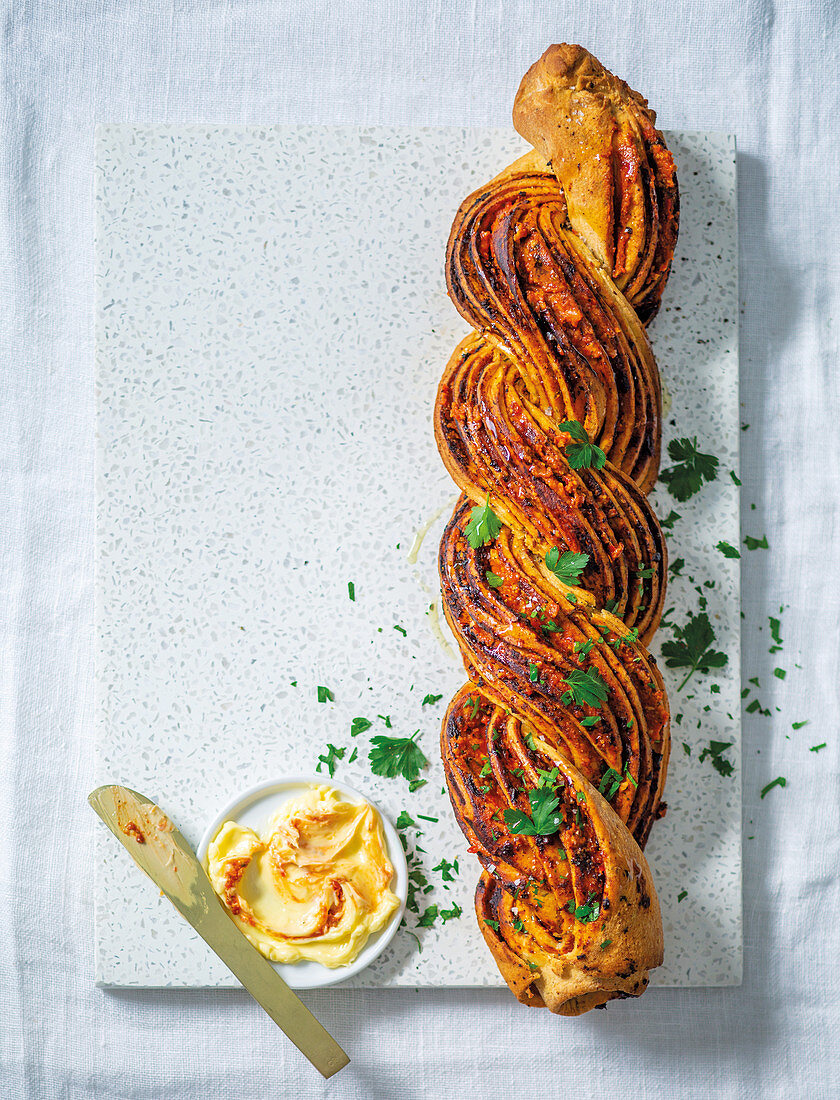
(351, 591)
(332, 756)
(392, 756)
(405, 820)
(429, 699)
(484, 525)
(582, 454)
(727, 550)
(566, 567)
(494, 924)
(816, 748)
(775, 634)
(544, 819)
(670, 520)
(325, 695)
(682, 895)
(691, 470)
(585, 688)
(715, 750)
(493, 579)
(359, 725)
(692, 648)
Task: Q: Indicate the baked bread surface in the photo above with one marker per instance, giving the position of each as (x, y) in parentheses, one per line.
(557, 264)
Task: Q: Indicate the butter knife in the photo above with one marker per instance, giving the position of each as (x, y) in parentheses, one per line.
(161, 851)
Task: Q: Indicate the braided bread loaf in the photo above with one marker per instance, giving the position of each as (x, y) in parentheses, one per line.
(553, 565)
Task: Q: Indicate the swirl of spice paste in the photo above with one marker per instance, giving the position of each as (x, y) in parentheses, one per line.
(553, 565)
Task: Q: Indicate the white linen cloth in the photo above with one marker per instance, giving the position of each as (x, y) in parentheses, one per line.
(766, 71)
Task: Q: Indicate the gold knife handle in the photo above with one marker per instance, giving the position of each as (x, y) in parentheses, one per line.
(160, 850)
(269, 990)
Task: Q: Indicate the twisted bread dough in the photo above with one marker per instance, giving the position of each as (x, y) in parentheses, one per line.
(558, 282)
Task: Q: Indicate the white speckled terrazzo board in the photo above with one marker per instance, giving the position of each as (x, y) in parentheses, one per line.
(271, 327)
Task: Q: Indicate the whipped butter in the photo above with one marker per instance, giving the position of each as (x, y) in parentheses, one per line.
(313, 884)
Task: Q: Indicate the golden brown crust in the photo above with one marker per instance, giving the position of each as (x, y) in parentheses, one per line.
(557, 266)
(617, 175)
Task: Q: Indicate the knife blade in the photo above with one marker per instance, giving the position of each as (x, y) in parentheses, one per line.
(163, 853)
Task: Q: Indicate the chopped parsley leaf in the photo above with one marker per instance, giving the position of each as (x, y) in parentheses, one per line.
(325, 695)
(494, 580)
(351, 591)
(779, 781)
(756, 544)
(727, 550)
(715, 750)
(333, 755)
(359, 725)
(428, 917)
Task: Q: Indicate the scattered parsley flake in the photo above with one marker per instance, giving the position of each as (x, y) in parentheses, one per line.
(676, 567)
(727, 550)
(351, 591)
(325, 695)
(430, 699)
(715, 750)
(668, 523)
(428, 917)
(589, 911)
(402, 630)
(779, 673)
(799, 725)
(359, 725)
(610, 782)
(494, 924)
(386, 718)
(333, 755)
(494, 580)
(756, 544)
(816, 748)
(451, 914)
(682, 894)
(734, 477)
(779, 781)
